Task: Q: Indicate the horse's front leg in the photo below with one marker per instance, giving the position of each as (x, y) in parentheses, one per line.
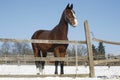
(62, 54)
(56, 54)
(56, 67)
(62, 67)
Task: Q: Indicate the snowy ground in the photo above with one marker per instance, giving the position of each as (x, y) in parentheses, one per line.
(101, 72)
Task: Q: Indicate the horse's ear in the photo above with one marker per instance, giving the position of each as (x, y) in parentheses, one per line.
(71, 6)
(67, 6)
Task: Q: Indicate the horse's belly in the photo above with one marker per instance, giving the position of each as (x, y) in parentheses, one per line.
(44, 46)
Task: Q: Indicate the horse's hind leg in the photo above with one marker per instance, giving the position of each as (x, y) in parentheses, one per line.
(37, 63)
(40, 63)
(36, 54)
(43, 54)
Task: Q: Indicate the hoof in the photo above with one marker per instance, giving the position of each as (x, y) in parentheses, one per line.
(38, 73)
(56, 72)
(62, 73)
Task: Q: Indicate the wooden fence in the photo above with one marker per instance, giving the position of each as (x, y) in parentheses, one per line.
(107, 42)
(30, 59)
(89, 58)
(88, 42)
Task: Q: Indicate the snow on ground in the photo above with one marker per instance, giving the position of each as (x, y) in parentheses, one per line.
(101, 72)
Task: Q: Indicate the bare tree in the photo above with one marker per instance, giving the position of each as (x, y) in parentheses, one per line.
(5, 48)
(27, 49)
(21, 48)
(82, 50)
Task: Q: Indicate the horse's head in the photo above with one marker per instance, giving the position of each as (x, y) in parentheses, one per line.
(69, 15)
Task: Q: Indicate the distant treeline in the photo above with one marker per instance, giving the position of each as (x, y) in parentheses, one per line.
(26, 49)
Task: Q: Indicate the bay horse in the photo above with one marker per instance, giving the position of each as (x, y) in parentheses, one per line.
(59, 32)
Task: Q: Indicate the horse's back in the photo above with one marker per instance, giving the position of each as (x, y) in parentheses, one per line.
(41, 34)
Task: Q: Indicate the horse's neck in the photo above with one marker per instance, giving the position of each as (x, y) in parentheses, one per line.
(61, 30)
(63, 25)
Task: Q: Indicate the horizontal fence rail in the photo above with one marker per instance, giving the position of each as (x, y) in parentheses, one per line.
(25, 58)
(31, 58)
(42, 41)
(48, 75)
(106, 61)
(105, 41)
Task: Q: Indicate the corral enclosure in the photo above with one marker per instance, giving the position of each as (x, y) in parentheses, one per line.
(91, 74)
(88, 58)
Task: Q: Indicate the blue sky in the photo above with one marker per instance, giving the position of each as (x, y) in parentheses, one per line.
(21, 18)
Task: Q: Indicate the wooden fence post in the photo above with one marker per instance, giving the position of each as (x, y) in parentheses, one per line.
(89, 46)
(67, 60)
(76, 57)
(24, 59)
(5, 59)
(18, 61)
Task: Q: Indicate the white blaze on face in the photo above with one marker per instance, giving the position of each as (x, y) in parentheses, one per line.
(75, 20)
